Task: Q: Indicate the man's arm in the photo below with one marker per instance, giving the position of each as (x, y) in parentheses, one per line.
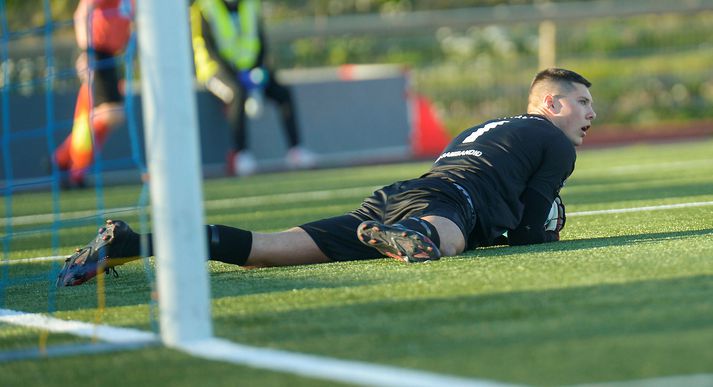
(211, 49)
(80, 23)
(531, 229)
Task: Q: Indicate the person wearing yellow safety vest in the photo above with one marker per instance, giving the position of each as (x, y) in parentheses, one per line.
(229, 55)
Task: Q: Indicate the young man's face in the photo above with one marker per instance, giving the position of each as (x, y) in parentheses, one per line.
(573, 112)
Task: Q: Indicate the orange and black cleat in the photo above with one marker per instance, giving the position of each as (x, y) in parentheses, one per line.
(398, 242)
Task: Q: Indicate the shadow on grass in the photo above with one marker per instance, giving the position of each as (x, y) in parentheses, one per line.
(559, 336)
(132, 287)
(581, 244)
(30, 287)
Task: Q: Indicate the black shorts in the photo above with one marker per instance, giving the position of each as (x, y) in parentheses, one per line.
(105, 83)
(337, 237)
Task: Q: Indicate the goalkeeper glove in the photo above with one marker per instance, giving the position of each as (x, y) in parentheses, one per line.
(252, 79)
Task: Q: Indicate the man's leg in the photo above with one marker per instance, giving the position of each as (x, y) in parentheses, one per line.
(116, 243)
(104, 119)
(286, 248)
(81, 131)
(296, 247)
(283, 96)
(452, 238)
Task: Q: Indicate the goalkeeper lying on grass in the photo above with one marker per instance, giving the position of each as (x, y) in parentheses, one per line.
(500, 176)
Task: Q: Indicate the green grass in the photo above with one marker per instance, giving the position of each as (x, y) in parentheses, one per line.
(623, 296)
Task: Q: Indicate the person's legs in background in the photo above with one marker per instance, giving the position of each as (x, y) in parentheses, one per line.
(297, 155)
(99, 110)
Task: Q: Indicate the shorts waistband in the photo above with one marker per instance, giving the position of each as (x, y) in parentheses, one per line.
(467, 196)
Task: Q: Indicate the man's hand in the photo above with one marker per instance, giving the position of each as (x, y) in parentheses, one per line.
(253, 79)
(82, 67)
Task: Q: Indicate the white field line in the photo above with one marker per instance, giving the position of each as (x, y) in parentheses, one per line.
(320, 367)
(288, 197)
(26, 220)
(37, 259)
(640, 209)
(106, 333)
(573, 214)
(217, 204)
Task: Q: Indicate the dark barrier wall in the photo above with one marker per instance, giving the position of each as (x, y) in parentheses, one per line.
(363, 119)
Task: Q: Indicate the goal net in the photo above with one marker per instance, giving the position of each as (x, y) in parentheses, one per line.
(46, 211)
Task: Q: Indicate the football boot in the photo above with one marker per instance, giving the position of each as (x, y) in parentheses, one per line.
(115, 244)
(398, 242)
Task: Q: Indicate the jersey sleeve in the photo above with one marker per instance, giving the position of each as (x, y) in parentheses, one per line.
(557, 164)
(110, 26)
(531, 229)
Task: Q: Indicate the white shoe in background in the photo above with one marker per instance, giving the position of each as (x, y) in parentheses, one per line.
(300, 158)
(244, 164)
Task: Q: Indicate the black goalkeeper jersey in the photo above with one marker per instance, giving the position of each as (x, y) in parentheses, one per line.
(498, 160)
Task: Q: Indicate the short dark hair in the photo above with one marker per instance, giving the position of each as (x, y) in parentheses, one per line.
(559, 75)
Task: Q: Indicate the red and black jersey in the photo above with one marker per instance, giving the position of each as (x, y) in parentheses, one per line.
(510, 167)
(110, 26)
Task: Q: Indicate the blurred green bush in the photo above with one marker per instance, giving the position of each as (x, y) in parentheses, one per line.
(646, 70)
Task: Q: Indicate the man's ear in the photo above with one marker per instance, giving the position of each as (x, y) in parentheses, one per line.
(549, 102)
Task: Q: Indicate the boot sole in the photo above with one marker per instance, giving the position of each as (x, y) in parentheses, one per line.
(400, 244)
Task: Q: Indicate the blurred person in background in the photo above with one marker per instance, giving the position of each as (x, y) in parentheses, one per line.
(230, 61)
(102, 30)
(496, 183)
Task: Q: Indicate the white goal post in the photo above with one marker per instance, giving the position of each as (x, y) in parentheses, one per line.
(173, 158)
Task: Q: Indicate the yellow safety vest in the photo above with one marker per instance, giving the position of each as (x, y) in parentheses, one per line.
(236, 35)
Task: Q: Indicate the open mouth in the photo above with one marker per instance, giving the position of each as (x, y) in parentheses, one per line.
(586, 128)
